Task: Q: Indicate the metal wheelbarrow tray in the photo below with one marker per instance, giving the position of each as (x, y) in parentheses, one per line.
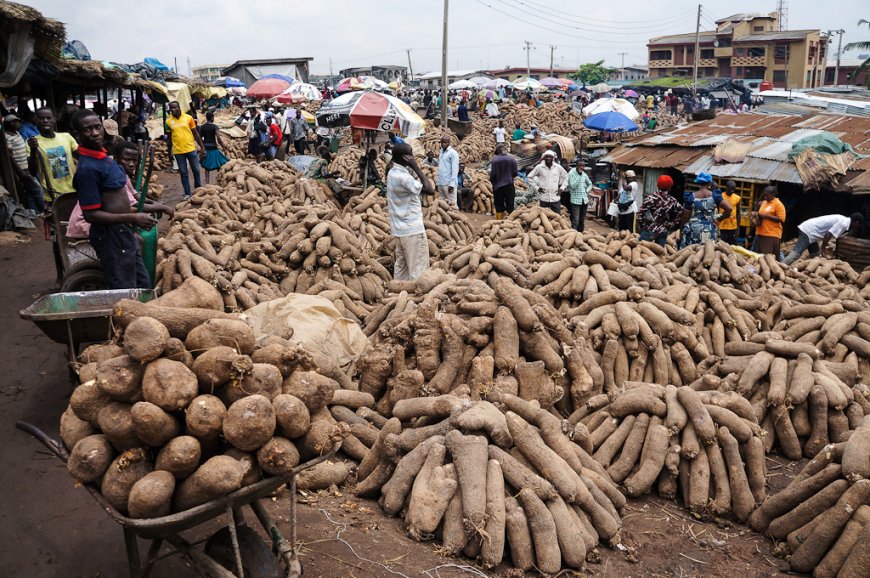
(83, 317)
(168, 528)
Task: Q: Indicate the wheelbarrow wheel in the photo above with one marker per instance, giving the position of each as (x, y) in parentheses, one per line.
(83, 276)
(258, 561)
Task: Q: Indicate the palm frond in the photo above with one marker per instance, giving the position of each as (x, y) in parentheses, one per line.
(862, 45)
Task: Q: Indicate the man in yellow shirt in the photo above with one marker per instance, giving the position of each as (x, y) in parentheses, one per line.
(50, 155)
(183, 141)
(728, 226)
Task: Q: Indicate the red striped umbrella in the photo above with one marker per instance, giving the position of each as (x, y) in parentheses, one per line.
(371, 111)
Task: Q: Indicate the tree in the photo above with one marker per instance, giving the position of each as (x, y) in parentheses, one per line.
(592, 73)
(862, 45)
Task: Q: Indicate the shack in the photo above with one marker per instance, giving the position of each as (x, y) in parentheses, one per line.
(249, 71)
(753, 151)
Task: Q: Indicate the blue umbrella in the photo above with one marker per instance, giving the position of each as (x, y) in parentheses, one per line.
(610, 122)
(228, 81)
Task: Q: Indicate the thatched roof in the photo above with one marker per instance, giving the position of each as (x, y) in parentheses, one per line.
(90, 70)
(49, 34)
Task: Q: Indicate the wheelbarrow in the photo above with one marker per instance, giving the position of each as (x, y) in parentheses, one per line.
(80, 317)
(235, 551)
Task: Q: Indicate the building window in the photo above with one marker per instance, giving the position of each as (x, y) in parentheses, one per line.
(779, 75)
(724, 42)
(757, 51)
(660, 55)
(781, 53)
(706, 53)
(829, 77)
(758, 28)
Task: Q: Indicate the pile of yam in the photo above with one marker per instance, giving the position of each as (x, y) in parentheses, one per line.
(822, 518)
(256, 242)
(346, 165)
(703, 445)
(496, 481)
(167, 420)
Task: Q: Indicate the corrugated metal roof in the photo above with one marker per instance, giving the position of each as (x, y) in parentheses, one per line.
(773, 150)
(750, 169)
(690, 147)
(681, 38)
(784, 35)
(860, 183)
(670, 157)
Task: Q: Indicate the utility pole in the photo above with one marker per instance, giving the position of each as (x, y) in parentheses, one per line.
(444, 70)
(410, 68)
(839, 51)
(622, 68)
(696, 54)
(330, 66)
(552, 48)
(528, 65)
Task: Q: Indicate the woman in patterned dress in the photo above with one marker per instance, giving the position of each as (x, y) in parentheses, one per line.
(699, 210)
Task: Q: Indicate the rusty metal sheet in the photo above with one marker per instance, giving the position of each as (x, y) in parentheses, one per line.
(860, 183)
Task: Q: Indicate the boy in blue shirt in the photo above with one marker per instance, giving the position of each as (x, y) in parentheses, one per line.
(100, 185)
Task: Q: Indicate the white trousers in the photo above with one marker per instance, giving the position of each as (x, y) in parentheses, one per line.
(412, 257)
(444, 193)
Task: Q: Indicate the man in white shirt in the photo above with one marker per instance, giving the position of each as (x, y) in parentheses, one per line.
(552, 181)
(406, 213)
(448, 171)
(823, 229)
(499, 133)
(491, 109)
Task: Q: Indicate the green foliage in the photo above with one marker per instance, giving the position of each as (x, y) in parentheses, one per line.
(862, 45)
(592, 73)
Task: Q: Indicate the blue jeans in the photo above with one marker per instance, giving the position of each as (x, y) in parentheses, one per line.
(118, 250)
(660, 239)
(193, 158)
(803, 243)
(34, 196)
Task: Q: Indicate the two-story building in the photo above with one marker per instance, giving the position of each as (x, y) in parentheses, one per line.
(744, 46)
(208, 72)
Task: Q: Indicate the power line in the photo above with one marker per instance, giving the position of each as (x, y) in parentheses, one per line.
(620, 23)
(537, 13)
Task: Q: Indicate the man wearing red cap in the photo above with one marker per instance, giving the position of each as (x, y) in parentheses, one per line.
(660, 213)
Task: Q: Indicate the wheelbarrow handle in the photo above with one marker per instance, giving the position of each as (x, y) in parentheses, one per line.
(55, 446)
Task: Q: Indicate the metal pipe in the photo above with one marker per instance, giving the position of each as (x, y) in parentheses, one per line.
(444, 69)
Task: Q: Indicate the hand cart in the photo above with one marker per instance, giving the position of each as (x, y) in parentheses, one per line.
(235, 551)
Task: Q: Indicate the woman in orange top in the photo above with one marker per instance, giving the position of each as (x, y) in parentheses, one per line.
(771, 216)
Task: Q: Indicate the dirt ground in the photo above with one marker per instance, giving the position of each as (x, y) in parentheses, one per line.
(51, 528)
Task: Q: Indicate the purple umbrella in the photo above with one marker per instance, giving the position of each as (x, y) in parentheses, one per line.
(630, 93)
(551, 82)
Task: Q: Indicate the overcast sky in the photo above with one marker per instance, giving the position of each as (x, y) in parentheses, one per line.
(483, 33)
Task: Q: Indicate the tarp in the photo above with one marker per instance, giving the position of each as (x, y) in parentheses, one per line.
(76, 50)
(209, 91)
(156, 64)
(19, 44)
(824, 142)
(316, 324)
(180, 92)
